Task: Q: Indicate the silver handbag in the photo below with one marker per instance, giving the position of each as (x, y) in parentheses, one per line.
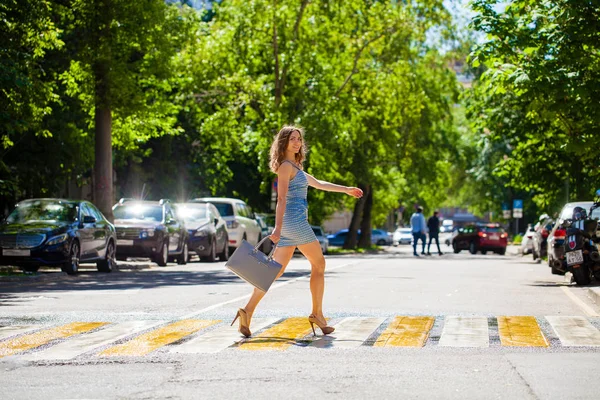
(254, 266)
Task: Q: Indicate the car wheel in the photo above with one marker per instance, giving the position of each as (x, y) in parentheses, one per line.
(224, 255)
(71, 266)
(163, 256)
(212, 256)
(502, 252)
(109, 262)
(456, 249)
(472, 248)
(381, 242)
(484, 252)
(31, 269)
(185, 254)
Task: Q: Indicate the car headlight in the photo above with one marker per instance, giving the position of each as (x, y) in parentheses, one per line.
(147, 233)
(200, 233)
(57, 239)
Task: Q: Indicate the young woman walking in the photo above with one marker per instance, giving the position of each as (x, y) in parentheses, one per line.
(291, 223)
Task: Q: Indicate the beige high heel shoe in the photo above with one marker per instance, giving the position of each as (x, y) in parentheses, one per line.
(324, 328)
(244, 328)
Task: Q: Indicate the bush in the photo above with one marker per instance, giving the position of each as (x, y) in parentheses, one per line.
(517, 239)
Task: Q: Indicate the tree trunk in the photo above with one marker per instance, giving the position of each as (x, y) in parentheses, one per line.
(352, 238)
(365, 225)
(103, 170)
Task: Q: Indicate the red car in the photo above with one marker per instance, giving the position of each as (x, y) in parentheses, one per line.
(480, 237)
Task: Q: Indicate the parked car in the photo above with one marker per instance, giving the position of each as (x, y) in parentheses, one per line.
(207, 230)
(150, 229)
(556, 250)
(540, 238)
(57, 232)
(527, 241)
(338, 238)
(446, 231)
(402, 236)
(323, 241)
(241, 221)
(480, 237)
(265, 231)
(380, 237)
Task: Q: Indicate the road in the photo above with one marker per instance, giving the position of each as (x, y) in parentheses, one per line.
(456, 326)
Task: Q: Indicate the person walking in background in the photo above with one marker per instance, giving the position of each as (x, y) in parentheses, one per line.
(433, 224)
(418, 226)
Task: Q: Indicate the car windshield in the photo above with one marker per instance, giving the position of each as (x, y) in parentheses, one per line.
(192, 215)
(140, 212)
(490, 229)
(405, 230)
(225, 209)
(43, 210)
(318, 231)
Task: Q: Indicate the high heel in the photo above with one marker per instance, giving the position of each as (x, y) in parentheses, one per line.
(244, 328)
(323, 327)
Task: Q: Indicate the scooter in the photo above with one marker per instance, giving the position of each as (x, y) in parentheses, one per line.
(580, 239)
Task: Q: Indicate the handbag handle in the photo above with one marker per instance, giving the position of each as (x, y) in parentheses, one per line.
(270, 256)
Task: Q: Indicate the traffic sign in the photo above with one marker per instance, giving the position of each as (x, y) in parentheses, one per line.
(517, 204)
(517, 213)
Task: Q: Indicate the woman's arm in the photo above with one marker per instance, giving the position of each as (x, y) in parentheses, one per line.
(283, 183)
(332, 187)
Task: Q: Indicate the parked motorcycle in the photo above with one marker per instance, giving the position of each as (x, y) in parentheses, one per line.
(580, 238)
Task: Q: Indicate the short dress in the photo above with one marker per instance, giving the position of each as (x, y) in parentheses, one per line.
(295, 230)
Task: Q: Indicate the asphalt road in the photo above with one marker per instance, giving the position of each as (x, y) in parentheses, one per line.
(455, 326)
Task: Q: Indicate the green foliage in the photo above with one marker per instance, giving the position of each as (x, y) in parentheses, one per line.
(535, 106)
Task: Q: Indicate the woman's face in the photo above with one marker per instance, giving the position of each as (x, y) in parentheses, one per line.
(295, 142)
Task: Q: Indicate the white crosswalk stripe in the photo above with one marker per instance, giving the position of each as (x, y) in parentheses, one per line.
(8, 331)
(465, 332)
(349, 333)
(574, 331)
(220, 338)
(88, 342)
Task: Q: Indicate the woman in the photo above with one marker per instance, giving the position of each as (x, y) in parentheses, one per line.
(291, 223)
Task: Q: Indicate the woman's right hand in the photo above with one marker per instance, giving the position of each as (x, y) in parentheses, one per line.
(276, 235)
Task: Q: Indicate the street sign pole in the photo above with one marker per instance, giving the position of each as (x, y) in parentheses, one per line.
(517, 213)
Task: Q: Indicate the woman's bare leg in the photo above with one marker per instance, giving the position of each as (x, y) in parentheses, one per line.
(312, 251)
(282, 255)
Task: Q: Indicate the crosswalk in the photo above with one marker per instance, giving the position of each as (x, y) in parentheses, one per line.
(105, 340)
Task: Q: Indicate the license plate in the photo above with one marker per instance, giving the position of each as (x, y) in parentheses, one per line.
(16, 253)
(575, 257)
(122, 242)
(494, 237)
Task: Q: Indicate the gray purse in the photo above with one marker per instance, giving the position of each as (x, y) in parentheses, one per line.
(253, 265)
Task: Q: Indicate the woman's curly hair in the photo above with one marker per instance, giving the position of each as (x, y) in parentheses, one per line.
(280, 144)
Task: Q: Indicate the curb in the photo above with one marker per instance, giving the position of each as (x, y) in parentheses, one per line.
(594, 293)
(20, 276)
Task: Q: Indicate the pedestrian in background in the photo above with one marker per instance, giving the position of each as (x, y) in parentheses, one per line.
(433, 224)
(418, 226)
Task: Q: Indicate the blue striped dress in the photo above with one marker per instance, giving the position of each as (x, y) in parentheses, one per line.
(295, 230)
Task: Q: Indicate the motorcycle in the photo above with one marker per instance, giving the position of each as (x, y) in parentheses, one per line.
(580, 238)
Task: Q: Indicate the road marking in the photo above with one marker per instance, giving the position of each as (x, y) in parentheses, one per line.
(589, 311)
(273, 287)
(406, 332)
(34, 340)
(8, 331)
(520, 331)
(219, 339)
(575, 331)
(465, 332)
(281, 336)
(151, 341)
(349, 333)
(86, 343)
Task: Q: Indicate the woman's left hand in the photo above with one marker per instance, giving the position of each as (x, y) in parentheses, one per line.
(354, 192)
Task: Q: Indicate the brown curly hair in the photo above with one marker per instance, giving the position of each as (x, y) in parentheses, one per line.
(280, 144)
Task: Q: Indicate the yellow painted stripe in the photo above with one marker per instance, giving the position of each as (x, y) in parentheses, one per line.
(151, 341)
(406, 332)
(281, 336)
(520, 331)
(37, 339)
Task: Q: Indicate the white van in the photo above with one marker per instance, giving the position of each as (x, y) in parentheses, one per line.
(241, 221)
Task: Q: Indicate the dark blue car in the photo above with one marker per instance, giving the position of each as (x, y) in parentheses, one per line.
(57, 232)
